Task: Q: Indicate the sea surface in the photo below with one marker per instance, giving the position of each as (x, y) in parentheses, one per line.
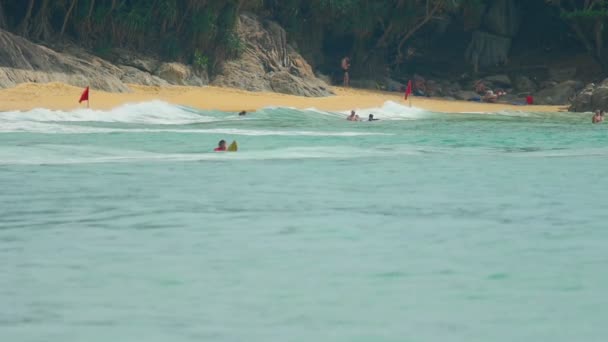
(123, 225)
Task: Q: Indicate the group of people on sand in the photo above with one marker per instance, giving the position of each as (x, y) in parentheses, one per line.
(598, 117)
(487, 95)
(354, 117)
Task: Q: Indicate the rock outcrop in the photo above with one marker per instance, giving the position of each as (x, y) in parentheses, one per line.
(268, 63)
(559, 94)
(592, 97)
(491, 42)
(180, 74)
(523, 84)
(23, 61)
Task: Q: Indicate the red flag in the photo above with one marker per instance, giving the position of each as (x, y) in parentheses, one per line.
(408, 91)
(84, 96)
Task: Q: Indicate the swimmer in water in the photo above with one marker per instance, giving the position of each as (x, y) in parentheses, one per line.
(597, 117)
(221, 146)
(353, 116)
(243, 113)
(371, 118)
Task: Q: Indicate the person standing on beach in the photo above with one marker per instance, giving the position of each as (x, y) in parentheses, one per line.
(345, 67)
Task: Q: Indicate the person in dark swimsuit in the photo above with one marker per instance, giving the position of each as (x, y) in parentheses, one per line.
(346, 66)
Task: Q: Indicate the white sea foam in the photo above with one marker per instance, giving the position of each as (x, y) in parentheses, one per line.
(392, 111)
(153, 113)
(54, 128)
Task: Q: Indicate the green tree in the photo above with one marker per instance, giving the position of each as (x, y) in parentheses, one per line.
(587, 19)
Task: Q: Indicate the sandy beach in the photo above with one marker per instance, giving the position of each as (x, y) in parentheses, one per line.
(59, 96)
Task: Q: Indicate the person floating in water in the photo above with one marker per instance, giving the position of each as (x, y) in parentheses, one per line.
(353, 116)
(221, 146)
(371, 118)
(243, 113)
(345, 67)
(598, 116)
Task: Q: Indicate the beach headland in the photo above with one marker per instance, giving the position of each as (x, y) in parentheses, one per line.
(59, 96)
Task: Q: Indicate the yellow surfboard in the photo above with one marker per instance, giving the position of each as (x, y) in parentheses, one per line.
(233, 147)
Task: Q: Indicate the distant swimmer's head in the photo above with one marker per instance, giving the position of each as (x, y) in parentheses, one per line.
(371, 117)
(352, 113)
(243, 113)
(222, 144)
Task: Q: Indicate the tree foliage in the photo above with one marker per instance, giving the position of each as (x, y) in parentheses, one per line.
(373, 32)
(587, 18)
(172, 28)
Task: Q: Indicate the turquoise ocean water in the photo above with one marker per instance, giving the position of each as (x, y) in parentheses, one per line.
(122, 226)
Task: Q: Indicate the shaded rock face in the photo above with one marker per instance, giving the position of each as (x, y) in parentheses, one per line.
(562, 74)
(23, 61)
(503, 18)
(591, 98)
(269, 63)
(491, 43)
(502, 81)
(487, 49)
(559, 94)
(131, 75)
(524, 84)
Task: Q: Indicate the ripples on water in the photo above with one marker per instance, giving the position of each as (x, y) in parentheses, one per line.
(122, 225)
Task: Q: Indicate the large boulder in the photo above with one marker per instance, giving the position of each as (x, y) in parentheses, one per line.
(181, 74)
(131, 75)
(559, 94)
(268, 63)
(499, 81)
(523, 84)
(592, 97)
(465, 95)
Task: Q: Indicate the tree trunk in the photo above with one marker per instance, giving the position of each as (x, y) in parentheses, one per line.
(24, 27)
(2, 17)
(42, 27)
(67, 17)
(599, 43)
(428, 16)
(90, 15)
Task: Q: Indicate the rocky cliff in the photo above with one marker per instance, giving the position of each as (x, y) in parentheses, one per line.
(269, 63)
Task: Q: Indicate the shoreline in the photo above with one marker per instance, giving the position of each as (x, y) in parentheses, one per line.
(59, 96)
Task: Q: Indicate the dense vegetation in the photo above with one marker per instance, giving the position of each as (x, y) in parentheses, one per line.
(377, 33)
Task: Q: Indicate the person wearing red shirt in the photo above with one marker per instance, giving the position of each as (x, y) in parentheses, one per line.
(221, 146)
